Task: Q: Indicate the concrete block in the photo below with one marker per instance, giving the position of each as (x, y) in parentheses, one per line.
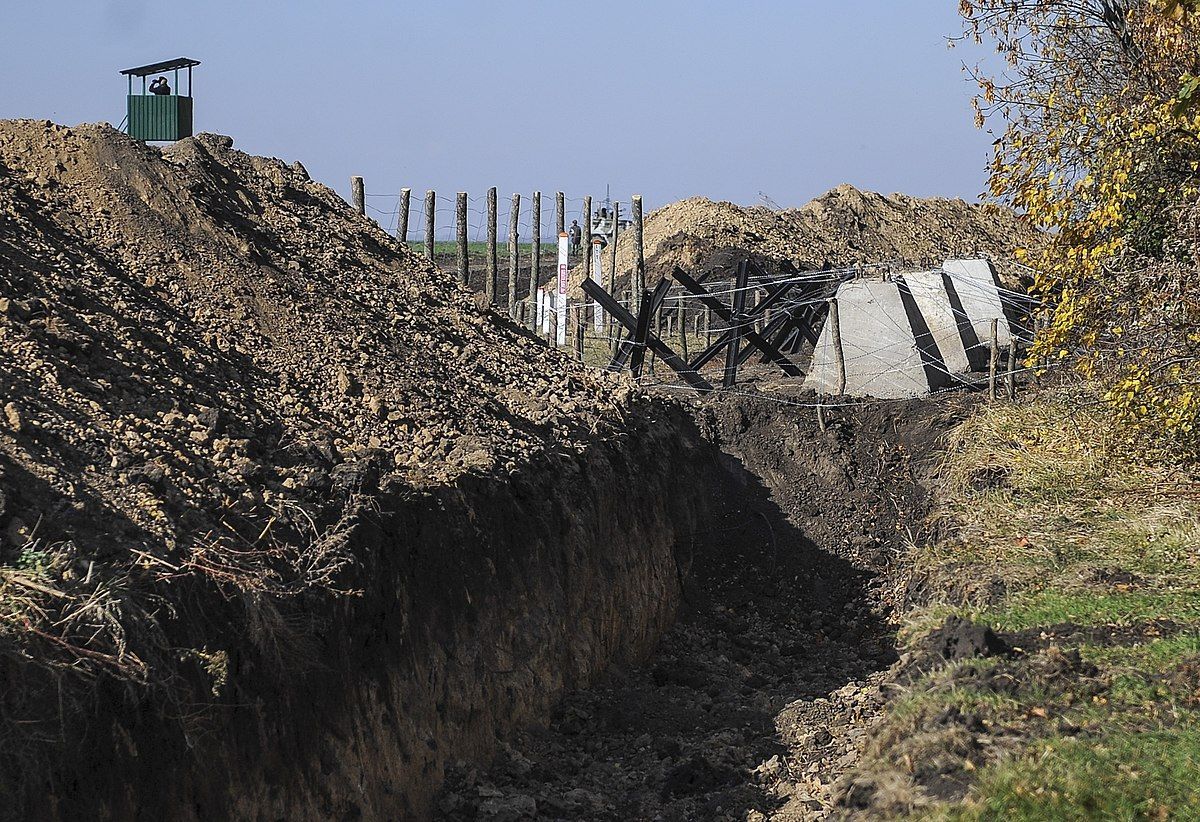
(974, 292)
(883, 356)
(944, 326)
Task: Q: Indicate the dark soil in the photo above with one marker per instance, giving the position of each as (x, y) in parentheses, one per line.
(1066, 633)
(959, 639)
(753, 702)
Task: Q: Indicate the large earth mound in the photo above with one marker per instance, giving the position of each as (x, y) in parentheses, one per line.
(206, 359)
(842, 228)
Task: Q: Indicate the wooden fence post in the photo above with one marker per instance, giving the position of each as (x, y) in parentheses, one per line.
(358, 194)
(535, 262)
(738, 317)
(639, 258)
(513, 256)
(560, 213)
(402, 222)
(1012, 369)
(839, 358)
(612, 273)
(992, 360)
(489, 285)
(839, 354)
(430, 210)
(464, 260)
(633, 307)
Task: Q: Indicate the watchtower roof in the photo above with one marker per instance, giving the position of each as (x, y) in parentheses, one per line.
(165, 65)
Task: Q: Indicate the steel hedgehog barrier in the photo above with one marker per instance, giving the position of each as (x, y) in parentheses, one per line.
(866, 330)
(843, 331)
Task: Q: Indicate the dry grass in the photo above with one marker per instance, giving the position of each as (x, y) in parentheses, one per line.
(1056, 517)
(71, 627)
(1047, 497)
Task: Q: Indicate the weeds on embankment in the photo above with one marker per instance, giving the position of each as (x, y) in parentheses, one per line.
(1079, 548)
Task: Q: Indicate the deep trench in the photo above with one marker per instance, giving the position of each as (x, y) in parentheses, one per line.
(634, 632)
(785, 599)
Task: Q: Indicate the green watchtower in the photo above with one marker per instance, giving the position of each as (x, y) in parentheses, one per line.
(161, 113)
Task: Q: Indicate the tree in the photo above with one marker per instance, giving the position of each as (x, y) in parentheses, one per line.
(1101, 149)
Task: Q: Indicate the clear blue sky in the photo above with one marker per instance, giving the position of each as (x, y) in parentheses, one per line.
(668, 98)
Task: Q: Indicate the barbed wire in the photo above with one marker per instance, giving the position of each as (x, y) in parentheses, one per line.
(683, 303)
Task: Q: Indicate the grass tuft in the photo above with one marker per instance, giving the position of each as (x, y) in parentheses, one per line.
(1082, 545)
(1124, 776)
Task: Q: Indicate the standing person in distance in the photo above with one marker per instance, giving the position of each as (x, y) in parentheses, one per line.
(576, 236)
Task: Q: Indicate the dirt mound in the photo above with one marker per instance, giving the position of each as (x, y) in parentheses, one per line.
(208, 362)
(844, 227)
(957, 639)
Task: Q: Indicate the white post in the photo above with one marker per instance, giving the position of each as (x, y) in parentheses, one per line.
(597, 312)
(563, 282)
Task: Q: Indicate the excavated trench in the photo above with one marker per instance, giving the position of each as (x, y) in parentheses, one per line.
(749, 703)
(570, 600)
(480, 604)
(655, 628)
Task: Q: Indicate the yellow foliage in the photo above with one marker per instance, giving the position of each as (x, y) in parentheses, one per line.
(1098, 153)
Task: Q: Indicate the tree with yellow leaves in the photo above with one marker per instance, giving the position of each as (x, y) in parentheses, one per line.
(1101, 149)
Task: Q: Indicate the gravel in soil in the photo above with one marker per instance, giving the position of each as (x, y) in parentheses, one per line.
(757, 701)
(208, 365)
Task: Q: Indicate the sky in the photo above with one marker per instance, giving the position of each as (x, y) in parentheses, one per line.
(756, 101)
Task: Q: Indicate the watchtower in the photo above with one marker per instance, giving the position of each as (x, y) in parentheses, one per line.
(161, 115)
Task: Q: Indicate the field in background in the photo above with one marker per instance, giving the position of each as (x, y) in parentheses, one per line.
(445, 253)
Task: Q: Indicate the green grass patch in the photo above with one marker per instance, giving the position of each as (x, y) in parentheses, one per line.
(1051, 607)
(1156, 655)
(1045, 496)
(1081, 529)
(1121, 776)
(478, 250)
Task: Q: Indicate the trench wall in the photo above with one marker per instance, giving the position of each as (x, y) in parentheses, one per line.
(481, 603)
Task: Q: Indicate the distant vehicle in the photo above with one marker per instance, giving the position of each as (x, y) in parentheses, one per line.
(603, 222)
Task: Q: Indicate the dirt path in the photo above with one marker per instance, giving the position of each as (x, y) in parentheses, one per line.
(755, 702)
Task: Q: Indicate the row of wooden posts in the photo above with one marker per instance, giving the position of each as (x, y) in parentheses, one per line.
(664, 325)
(524, 312)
